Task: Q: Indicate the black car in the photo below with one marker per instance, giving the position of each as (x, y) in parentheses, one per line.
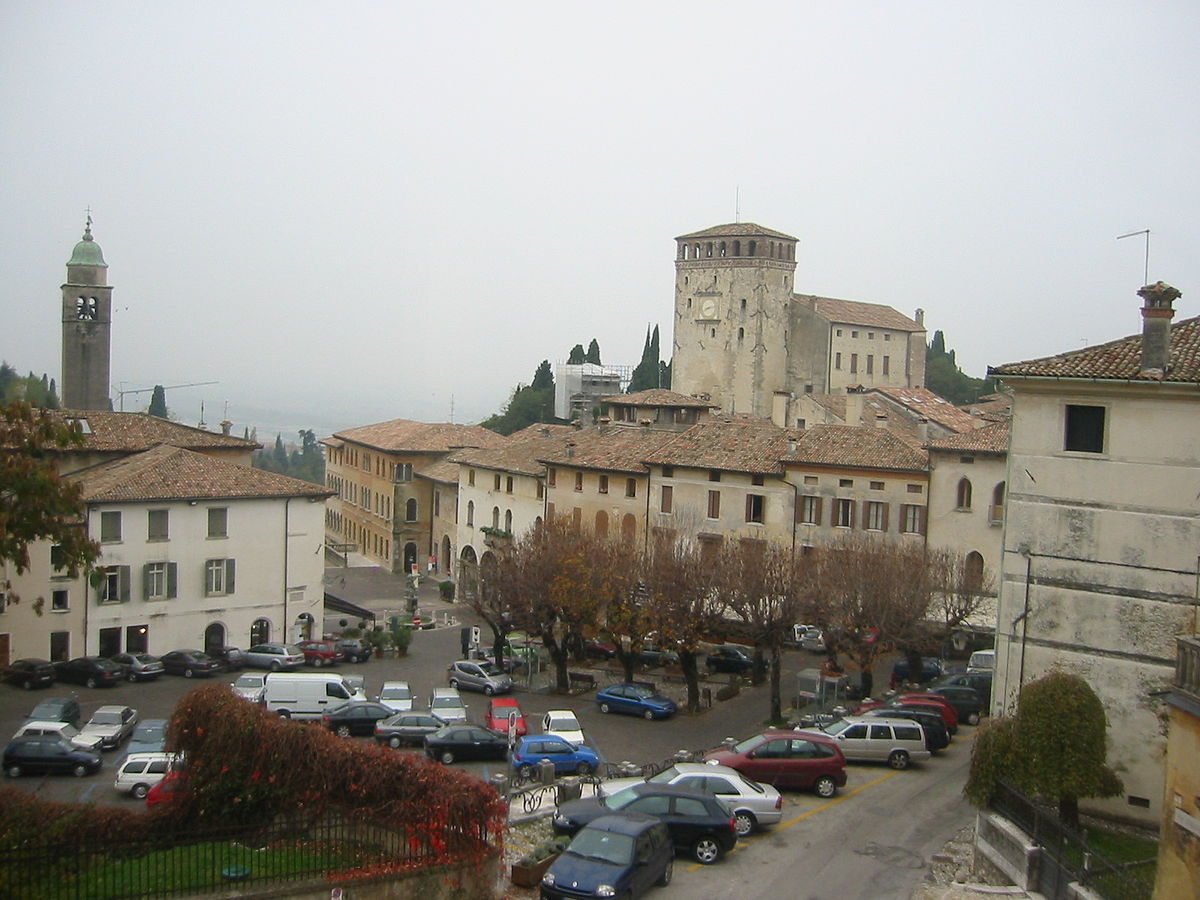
(358, 717)
(56, 709)
(190, 663)
(465, 742)
(966, 701)
(936, 736)
(981, 682)
(230, 658)
(45, 755)
(406, 728)
(353, 649)
(90, 671)
(629, 853)
(729, 659)
(930, 669)
(699, 823)
(29, 673)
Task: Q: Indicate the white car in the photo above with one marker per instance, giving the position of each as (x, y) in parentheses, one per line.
(447, 705)
(111, 724)
(752, 805)
(139, 772)
(251, 686)
(396, 696)
(64, 730)
(563, 723)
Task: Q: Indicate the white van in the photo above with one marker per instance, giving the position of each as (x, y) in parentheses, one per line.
(307, 695)
(139, 772)
(982, 661)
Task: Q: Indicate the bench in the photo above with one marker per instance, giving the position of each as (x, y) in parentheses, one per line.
(581, 680)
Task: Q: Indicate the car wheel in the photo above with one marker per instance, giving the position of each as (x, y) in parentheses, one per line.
(583, 769)
(605, 708)
(706, 851)
(140, 791)
(188, 673)
(973, 718)
(13, 771)
(454, 683)
(898, 759)
(79, 771)
(648, 714)
(275, 665)
(665, 878)
(131, 677)
(285, 714)
(525, 773)
(488, 690)
(394, 742)
(744, 822)
(343, 731)
(447, 757)
(825, 787)
(27, 684)
(318, 662)
(90, 683)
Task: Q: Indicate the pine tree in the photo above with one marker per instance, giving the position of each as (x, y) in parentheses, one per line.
(593, 352)
(543, 377)
(158, 402)
(576, 356)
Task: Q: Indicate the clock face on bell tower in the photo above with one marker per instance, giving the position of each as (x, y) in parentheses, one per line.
(708, 308)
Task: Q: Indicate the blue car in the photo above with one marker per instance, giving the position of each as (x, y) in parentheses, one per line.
(621, 855)
(533, 748)
(635, 699)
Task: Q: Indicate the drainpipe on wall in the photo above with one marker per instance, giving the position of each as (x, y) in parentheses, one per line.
(287, 624)
(1023, 618)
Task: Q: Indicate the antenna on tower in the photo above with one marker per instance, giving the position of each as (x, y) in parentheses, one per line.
(737, 203)
(1146, 232)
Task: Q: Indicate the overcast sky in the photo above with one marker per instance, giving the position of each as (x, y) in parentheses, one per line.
(346, 213)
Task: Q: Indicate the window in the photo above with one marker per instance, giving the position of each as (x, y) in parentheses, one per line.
(437, 503)
(755, 506)
(668, 494)
(630, 487)
(811, 479)
(996, 515)
(757, 480)
(58, 567)
(714, 504)
(471, 477)
(668, 472)
(886, 363)
(877, 485)
(973, 571)
(218, 522)
(837, 361)
(845, 482)
(853, 334)
(410, 510)
(157, 524)
(159, 580)
(110, 527)
(470, 513)
(844, 513)
(541, 490)
(60, 601)
(875, 515)
(714, 475)
(496, 517)
(1084, 429)
(839, 332)
(963, 494)
(603, 488)
(552, 476)
(218, 577)
(912, 519)
(60, 646)
(870, 335)
(810, 510)
(114, 584)
(496, 481)
(914, 488)
(853, 363)
(508, 484)
(579, 481)
(870, 364)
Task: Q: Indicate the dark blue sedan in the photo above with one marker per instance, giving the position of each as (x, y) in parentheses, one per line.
(635, 699)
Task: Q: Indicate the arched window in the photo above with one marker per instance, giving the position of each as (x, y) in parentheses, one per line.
(696, 251)
(753, 247)
(708, 250)
(410, 510)
(446, 554)
(737, 248)
(214, 637)
(963, 500)
(629, 528)
(741, 334)
(743, 305)
(722, 249)
(683, 251)
(973, 571)
(260, 632)
(470, 513)
(495, 517)
(601, 524)
(996, 513)
(508, 520)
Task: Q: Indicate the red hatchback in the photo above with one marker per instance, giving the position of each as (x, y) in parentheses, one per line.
(786, 759)
(320, 653)
(499, 709)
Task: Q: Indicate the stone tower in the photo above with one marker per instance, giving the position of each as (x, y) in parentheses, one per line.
(733, 287)
(86, 327)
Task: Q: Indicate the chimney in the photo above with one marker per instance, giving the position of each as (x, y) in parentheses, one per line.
(881, 420)
(570, 449)
(1156, 326)
(854, 407)
(919, 317)
(923, 430)
(225, 427)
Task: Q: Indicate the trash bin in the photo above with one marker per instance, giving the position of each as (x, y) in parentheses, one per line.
(545, 771)
(569, 789)
(500, 782)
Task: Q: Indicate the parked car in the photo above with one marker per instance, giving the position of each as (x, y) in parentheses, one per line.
(139, 666)
(396, 696)
(251, 686)
(966, 701)
(231, 658)
(567, 758)
(563, 723)
(189, 663)
(786, 759)
(358, 717)
(30, 673)
(753, 805)
(980, 682)
(498, 713)
(112, 724)
(612, 856)
(598, 649)
(898, 742)
(931, 722)
(982, 661)
(150, 736)
(909, 701)
(138, 773)
(931, 669)
(353, 650)
(447, 705)
(698, 822)
(63, 730)
(651, 655)
(320, 653)
(48, 755)
(465, 742)
(56, 709)
(949, 713)
(90, 671)
(729, 659)
(478, 675)
(635, 699)
(406, 728)
(813, 640)
(276, 657)
(164, 792)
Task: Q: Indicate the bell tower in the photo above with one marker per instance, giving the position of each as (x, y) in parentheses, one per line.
(86, 327)
(733, 289)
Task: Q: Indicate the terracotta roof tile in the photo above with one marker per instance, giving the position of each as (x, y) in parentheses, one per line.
(730, 444)
(614, 449)
(735, 229)
(1117, 360)
(854, 312)
(523, 455)
(442, 470)
(660, 397)
(925, 402)
(860, 447)
(172, 473)
(989, 439)
(133, 432)
(404, 435)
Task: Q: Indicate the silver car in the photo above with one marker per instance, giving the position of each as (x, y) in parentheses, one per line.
(396, 696)
(276, 657)
(478, 675)
(751, 804)
(111, 724)
(139, 666)
(64, 730)
(447, 705)
(251, 686)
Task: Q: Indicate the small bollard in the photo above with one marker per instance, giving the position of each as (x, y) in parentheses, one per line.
(569, 789)
(545, 771)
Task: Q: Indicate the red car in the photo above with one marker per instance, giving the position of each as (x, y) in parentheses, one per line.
(320, 653)
(499, 709)
(942, 708)
(164, 792)
(786, 759)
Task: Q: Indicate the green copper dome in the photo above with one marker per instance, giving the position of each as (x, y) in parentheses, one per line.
(87, 252)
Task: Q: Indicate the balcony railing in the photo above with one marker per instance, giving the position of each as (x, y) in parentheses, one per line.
(1187, 664)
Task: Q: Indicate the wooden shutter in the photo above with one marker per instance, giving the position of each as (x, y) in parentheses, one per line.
(883, 519)
(229, 576)
(172, 579)
(146, 581)
(123, 577)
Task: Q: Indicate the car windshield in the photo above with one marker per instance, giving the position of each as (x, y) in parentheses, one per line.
(666, 776)
(107, 718)
(395, 693)
(491, 669)
(149, 732)
(836, 727)
(603, 846)
(250, 681)
(620, 799)
(145, 658)
(748, 744)
(562, 723)
(445, 703)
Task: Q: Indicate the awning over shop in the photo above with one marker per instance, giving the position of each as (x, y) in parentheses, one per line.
(337, 604)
